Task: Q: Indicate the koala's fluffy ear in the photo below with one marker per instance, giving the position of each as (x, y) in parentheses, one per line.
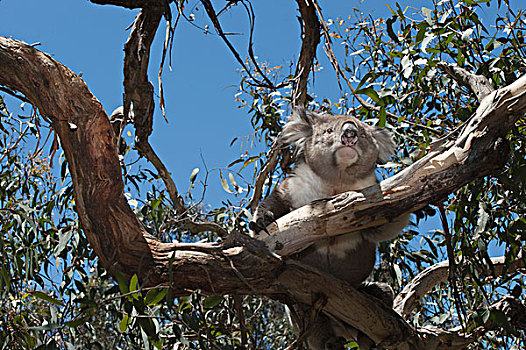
(385, 143)
(298, 129)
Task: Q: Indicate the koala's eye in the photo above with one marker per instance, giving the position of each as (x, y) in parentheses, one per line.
(329, 131)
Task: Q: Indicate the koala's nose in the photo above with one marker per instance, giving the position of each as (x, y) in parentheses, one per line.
(349, 134)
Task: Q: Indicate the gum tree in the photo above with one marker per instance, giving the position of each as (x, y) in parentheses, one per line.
(447, 84)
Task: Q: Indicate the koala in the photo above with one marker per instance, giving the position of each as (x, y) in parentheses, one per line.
(333, 154)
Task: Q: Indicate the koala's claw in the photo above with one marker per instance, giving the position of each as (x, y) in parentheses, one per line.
(261, 223)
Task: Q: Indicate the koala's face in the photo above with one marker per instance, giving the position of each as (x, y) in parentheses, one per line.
(333, 145)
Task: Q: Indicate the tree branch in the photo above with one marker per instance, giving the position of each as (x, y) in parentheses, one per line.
(131, 4)
(408, 299)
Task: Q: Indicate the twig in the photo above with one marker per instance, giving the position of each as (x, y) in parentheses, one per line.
(452, 266)
(270, 164)
(215, 21)
(14, 94)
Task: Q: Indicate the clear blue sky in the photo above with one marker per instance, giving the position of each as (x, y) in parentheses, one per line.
(199, 92)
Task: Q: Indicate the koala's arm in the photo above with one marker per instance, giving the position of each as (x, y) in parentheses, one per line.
(387, 231)
(272, 208)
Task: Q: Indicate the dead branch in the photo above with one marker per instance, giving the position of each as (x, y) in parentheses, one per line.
(139, 91)
(268, 167)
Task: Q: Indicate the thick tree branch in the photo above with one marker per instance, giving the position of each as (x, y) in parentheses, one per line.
(122, 244)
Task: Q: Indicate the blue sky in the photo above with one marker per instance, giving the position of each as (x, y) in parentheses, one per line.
(202, 115)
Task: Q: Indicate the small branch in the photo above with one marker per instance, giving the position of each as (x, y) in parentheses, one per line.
(452, 265)
(130, 4)
(215, 21)
(14, 94)
(479, 84)
(270, 164)
(168, 42)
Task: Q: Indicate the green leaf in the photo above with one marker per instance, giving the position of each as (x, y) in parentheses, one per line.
(428, 15)
(224, 183)
(390, 30)
(154, 296)
(427, 39)
(133, 283)
(125, 322)
(44, 296)
(123, 283)
(369, 92)
(382, 117)
(64, 238)
(390, 9)
(233, 181)
(76, 322)
(398, 273)
(45, 327)
(212, 301)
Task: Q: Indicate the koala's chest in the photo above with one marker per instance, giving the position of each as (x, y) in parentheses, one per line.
(303, 191)
(305, 186)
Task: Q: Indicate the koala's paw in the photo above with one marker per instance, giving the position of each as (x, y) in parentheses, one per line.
(379, 290)
(262, 221)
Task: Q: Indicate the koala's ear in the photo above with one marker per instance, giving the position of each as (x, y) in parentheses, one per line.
(298, 129)
(385, 143)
